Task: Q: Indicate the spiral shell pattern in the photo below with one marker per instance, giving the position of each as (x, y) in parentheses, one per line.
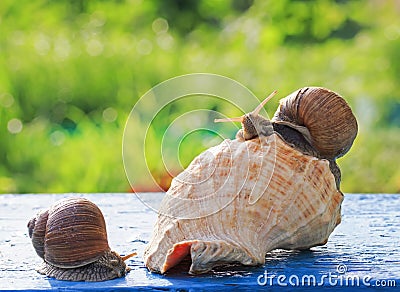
(241, 199)
(325, 114)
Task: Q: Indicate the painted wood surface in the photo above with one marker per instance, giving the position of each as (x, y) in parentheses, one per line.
(362, 252)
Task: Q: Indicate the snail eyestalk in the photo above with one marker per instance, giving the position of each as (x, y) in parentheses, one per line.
(261, 105)
(254, 113)
(238, 119)
(124, 258)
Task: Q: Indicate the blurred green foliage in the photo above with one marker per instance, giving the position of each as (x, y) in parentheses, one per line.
(70, 72)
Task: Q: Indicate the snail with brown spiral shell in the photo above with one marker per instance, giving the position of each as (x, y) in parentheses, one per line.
(276, 186)
(71, 238)
(314, 120)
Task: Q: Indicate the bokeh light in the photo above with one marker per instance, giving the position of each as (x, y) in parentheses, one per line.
(71, 71)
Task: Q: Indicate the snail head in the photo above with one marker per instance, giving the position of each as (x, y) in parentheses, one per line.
(253, 125)
(115, 263)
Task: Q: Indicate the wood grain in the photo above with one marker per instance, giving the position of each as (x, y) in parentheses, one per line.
(366, 244)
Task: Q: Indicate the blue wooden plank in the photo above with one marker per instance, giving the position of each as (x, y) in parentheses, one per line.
(364, 248)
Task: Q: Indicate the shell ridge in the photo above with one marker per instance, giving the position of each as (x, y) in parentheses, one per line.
(266, 148)
(298, 98)
(233, 189)
(303, 223)
(289, 196)
(323, 232)
(220, 252)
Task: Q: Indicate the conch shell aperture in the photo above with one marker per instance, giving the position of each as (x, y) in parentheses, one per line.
(272, 187)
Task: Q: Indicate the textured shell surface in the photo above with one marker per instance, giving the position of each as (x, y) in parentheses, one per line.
(75, 233)
(241, 199)
(326, 115)
(37, 231)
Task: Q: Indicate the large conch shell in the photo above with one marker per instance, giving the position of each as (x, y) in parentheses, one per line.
(243, 198)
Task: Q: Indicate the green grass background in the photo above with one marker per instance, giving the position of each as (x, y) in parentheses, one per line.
(71, 71)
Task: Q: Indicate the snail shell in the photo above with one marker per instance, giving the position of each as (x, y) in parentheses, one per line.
(71, 237)
(322, 116)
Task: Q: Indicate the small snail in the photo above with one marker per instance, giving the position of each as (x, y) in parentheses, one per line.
(71, 237)
(314, 120)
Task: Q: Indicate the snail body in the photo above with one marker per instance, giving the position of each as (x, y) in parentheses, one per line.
(274, 187)
(71, 238)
